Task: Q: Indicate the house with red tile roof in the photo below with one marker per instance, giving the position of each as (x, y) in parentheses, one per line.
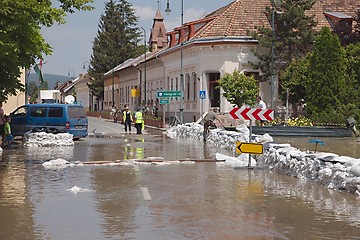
(202, 51)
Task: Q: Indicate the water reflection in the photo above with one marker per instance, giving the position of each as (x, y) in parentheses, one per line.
(189, 201)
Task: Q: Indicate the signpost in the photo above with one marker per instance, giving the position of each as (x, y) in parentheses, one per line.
(168, 94)
(164, 101)
(251, 114)
(244, 147)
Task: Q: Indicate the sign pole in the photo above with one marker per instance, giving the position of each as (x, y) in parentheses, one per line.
(164, 116)
(250, 136)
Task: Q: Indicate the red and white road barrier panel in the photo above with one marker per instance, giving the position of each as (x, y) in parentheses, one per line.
(252, 114)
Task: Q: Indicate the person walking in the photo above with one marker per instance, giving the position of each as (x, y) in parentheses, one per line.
(127, 119)
(2, 123)
(139, 121)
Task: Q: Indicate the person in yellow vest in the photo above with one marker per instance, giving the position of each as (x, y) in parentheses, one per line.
(127, 119)
(139, 121)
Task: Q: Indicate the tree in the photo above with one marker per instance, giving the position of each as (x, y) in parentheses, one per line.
(353, 71)
(21, 42)
(294, 78)
(239, 89)
(292, 35)
(116, 42)
(327, 79)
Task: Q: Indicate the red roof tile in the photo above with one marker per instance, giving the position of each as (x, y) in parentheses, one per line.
(240, 16)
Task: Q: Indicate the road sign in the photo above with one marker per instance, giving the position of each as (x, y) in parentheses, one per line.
(168, 94)
(164, 101)
(252, 148)
(202, 94)
(135, 92)
(252, 114)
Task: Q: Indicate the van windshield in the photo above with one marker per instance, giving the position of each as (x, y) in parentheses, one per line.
(76, 112)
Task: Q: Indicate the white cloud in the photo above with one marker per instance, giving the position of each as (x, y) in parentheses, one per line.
(145, 13)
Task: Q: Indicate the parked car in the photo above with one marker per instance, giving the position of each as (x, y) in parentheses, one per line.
(51, 117)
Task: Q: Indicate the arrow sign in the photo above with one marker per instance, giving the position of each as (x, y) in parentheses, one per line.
(252, 148)
(252, 113)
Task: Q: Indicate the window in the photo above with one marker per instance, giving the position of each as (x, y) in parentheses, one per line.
(38, 112)
(21, 111)
(195, 87)
(188, 86)
(55, 112)
(76, 112)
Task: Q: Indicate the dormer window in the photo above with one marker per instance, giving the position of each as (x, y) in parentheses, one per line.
(339, 22)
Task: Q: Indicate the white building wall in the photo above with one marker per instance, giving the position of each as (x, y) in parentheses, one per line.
(17, 100)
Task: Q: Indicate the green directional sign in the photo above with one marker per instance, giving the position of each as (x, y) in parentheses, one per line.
(168, 94)
(164, 101)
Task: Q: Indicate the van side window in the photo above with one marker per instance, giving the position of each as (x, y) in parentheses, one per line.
(38, 112)
(76, 112)
(21, 111)
(55, 112)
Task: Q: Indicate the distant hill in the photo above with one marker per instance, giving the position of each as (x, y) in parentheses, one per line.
(50, 78)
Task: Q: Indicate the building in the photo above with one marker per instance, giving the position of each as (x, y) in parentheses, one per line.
(15, 101)
(202, 51)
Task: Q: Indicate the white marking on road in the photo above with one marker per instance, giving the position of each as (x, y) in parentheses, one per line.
(146, 193)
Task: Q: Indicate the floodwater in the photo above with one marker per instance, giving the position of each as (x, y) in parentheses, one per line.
(167, 201)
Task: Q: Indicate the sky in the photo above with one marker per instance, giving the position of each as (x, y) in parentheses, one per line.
(72, 41)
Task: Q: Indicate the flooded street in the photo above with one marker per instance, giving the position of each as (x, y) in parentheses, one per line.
(166, 201)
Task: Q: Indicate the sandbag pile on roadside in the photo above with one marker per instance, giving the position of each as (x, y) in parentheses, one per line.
(217, 137)
(328, 169)
(43, 139)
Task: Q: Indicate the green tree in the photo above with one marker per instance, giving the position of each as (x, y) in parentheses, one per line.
(292, 35)
(294, 78)
(239, 89)
(21, 42)
(116, 42)
(327, 79)
(353, 71)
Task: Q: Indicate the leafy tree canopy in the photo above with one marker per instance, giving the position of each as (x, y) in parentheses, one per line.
(293, 80)
(21, 42)
(239, 89)
(326, 82)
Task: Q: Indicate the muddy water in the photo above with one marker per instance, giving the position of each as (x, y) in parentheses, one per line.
(174, 201)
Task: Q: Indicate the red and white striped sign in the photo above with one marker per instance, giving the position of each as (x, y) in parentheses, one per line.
(252, 113)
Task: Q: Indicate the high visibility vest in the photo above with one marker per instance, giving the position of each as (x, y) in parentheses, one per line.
(129, 115)
(139, 117)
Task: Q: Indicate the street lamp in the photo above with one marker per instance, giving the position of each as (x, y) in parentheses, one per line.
(272, 55)
(73, 73)
(272, 66)
(113, 89)
(144, 65)
(168, 10)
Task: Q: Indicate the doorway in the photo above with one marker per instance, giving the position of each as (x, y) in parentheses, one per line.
(214, 92)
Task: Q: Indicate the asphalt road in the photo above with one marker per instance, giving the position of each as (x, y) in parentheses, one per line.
(105, 127)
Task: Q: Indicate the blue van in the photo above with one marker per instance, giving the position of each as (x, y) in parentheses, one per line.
(52, 117)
